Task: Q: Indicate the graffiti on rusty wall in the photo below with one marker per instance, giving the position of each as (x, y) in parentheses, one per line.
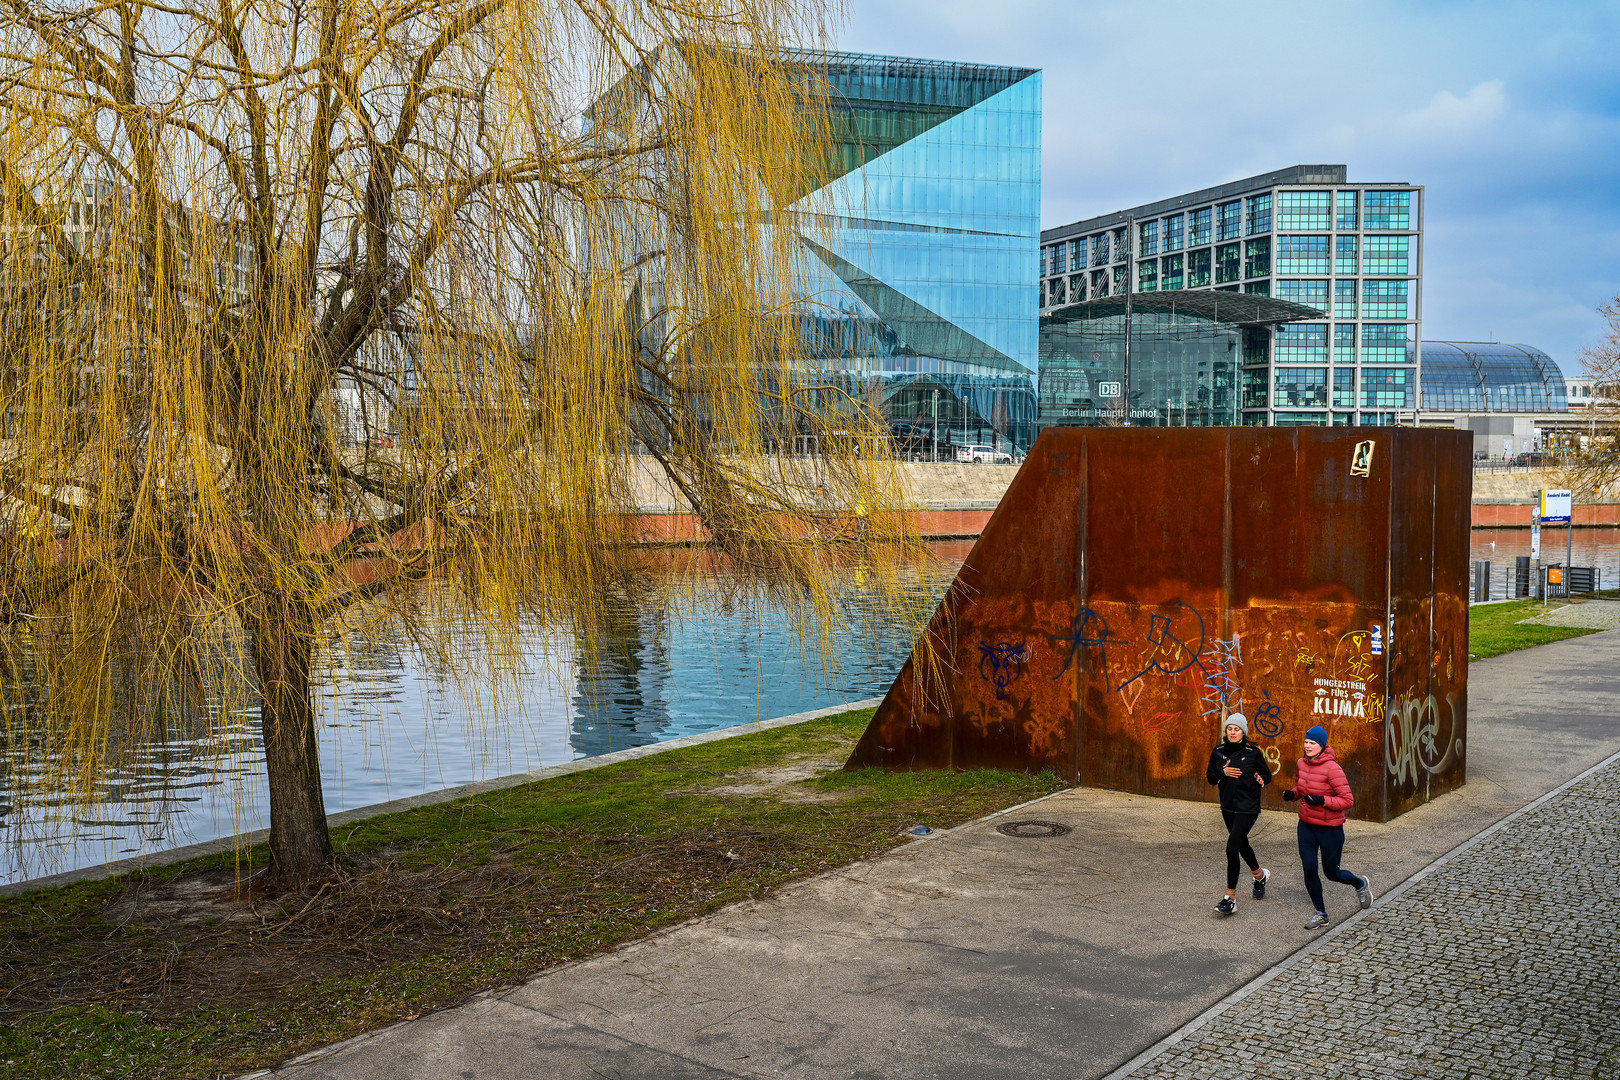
(1106, 633)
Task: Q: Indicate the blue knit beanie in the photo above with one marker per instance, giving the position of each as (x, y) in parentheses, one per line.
(1317, 735)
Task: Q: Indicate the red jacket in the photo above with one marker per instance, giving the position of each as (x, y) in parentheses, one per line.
(1322, 776)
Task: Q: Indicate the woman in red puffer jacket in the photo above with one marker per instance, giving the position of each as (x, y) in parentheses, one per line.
(1323, 793)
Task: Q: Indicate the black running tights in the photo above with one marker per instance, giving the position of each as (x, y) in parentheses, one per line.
(1237, 843)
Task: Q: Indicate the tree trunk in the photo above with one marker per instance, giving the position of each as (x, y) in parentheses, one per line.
(300, 847)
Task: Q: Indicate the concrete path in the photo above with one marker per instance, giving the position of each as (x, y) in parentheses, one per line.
(978, 955)
(1495, 964)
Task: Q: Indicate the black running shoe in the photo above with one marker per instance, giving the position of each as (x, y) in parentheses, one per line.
(1227, 905)
(1260, 883)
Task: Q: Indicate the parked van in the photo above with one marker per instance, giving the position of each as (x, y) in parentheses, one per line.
(980, 455)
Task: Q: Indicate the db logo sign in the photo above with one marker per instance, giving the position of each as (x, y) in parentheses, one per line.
(1108, 389)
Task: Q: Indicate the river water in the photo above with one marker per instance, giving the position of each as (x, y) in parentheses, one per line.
(1597, 546)
(392, 725)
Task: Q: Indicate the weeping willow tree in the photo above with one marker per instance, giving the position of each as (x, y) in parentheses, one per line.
(306, 304)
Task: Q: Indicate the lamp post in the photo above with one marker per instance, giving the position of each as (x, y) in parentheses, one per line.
(1130, 280)
(936, 423)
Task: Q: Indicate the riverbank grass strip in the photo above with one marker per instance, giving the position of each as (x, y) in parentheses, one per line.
(196, 969)
(1494, 629)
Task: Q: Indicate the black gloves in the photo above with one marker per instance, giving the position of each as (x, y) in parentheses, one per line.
(1309, 800)
(1289, 796)
(1314, 800)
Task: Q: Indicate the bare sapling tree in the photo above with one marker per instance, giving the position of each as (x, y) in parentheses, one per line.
(311, 310)
(1597, 466)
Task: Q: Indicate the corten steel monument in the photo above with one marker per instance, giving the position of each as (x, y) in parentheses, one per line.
(1136, 586)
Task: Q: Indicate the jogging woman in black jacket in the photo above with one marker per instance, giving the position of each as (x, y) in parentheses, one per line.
(1240, 769)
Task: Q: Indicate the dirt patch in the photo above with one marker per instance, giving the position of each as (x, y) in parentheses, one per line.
(784, 782)
(186, 901)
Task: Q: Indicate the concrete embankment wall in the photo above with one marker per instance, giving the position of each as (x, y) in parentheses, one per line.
(957, 500)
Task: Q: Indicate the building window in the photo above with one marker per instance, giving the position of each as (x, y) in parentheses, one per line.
(1051, 260)
(1173, 232)
(1257, 257)
(1258, 288)
(1099, 284)
(1197, 269)
(1344, 261)
(1386, 255)
(1303, 210)
(1300, 386)
(1198, 227)
(1389, 209)
(1077, 255)
(1344, 419)
(1384, 299)
(1228, 262)
(1383, 343)
(1147, 275)
(1301, 343)
(1077, 288)
(1149, 235)
(1348, 205)
(1344, 344)
(1172, 271)
(1386, 388)
(1312, 292)
(1229, 220)
(1059, 293)
(1099, 250)
(1344, 388)
(1301, 419)
(1344, 299)
(1256, 345)
(1302, 255)
(1254, 388)
(1260, 214)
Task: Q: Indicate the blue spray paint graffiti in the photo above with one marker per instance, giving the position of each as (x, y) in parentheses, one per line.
(1002, 664)
(1170, 654)
(1089, 630)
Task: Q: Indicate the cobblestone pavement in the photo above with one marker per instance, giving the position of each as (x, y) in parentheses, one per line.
(1593, 614)
(1500, 964)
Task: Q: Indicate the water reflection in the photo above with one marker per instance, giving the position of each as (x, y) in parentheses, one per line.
(393, 725)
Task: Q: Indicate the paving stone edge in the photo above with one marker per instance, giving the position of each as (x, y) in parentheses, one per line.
(1327, 938)
(428, 798)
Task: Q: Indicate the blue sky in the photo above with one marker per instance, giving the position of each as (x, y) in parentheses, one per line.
(1509, 113)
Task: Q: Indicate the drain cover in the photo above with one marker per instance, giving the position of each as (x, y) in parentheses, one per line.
(1030, 829)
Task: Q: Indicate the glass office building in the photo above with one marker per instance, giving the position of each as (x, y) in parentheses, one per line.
(922, 248)
(1187, 358)
(1350, 252)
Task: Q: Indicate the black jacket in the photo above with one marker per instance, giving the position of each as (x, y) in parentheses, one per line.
(1239, 794)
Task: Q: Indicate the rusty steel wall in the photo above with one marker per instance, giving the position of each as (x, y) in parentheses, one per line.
(1136, 585)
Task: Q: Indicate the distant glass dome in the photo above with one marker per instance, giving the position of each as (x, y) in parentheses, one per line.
(1476, 376)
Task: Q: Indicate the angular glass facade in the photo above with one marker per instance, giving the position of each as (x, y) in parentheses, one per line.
(924, 249)
(1351, 252)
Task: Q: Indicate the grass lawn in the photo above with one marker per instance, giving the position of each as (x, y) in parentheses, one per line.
(182, 971)
(1493, 629)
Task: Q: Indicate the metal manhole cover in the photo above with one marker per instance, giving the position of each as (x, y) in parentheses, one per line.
(1029, 829)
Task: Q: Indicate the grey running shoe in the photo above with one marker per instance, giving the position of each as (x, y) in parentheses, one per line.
(1319, 919)
(1364, 893)
(1260, 883)
(1227, 905)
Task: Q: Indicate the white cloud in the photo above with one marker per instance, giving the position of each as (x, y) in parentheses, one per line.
(1448, 116)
